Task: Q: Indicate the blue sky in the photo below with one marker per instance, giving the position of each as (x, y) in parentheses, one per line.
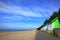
(26, 14)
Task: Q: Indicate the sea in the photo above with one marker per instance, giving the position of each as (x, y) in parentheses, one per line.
(12, 30)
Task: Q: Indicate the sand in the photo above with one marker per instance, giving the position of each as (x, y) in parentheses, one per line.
(18, 35)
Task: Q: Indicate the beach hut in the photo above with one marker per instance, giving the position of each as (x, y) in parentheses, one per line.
(55, 25)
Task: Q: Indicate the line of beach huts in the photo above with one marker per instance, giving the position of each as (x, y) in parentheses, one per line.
(52, 25)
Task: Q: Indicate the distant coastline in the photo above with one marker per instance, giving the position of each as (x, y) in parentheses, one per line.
(13, 30)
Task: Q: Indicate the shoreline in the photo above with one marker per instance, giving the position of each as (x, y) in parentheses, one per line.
(18, 35)
(13, 30)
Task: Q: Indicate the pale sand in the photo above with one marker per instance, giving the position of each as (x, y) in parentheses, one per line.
(19, 35)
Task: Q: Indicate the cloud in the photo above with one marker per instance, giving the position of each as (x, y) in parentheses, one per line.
(14, 17)
(43, 11)
(25, 13)
(18, 10)
(20, 13)
(18, 25)
(38, 11)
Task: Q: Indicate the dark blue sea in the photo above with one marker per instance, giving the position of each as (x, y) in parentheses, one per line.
(12, 30)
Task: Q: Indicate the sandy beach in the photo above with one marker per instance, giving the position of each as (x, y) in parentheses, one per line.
(18, 35)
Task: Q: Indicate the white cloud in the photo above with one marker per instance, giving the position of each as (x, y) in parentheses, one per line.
(18, 25)
(18, 10)
(11, 18)
(44, 11)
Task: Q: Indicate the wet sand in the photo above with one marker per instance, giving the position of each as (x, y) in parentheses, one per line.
(18, 35)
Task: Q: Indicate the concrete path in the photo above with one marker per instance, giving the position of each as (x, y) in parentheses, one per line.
(44, 36)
